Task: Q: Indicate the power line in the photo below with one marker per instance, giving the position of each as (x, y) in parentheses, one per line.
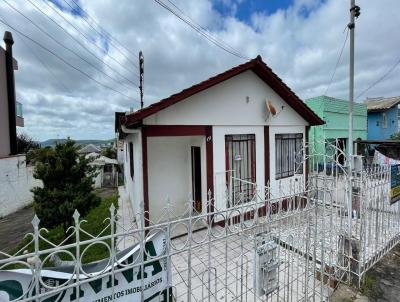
(98, 32)
(337, 62)
(43, 64)
(78, 42)
(64, 61)
(203, 28)
(104, 30)
(389, 71)
(61, 44)
(201, 31)
(83, 35)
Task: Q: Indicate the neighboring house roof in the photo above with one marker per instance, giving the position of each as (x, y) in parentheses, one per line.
(100, 160)
(89, 149)
(321, 104)
(256, 65)
(381, 104)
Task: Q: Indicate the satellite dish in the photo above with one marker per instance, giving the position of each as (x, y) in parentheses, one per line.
(270, 108)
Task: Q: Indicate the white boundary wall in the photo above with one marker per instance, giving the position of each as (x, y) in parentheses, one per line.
(16, 182)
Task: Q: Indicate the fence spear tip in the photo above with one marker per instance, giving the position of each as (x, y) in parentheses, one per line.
(35, 221)
(76, 215)
(112, 208)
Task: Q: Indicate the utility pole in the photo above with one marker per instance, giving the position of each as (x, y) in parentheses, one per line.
(351, 83)
(141, 76)
(354, 13)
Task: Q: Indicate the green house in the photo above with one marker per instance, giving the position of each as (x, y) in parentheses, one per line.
(335, 113)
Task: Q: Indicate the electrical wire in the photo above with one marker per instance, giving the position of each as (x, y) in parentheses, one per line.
(65, 61)
(98, 32)
(202, 27)
(338, 61)
(201, 31)
(62, 45)
(43, 63)
(389, 71)
(83, 35)
(79, 42)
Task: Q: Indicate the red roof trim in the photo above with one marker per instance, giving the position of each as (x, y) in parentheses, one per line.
(258, 66)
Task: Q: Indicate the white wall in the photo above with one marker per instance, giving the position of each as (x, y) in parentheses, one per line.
(134, 187)
(169, 172)
(238, 101)
(16, 181)
(120, 152)
(98, 180)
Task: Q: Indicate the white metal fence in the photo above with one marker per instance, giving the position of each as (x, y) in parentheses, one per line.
(296, 245)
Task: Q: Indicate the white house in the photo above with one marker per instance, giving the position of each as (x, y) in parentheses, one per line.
(244, 119)
(16, 177)
(107, 170)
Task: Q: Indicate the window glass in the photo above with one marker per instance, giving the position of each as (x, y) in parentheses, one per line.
(288, 154)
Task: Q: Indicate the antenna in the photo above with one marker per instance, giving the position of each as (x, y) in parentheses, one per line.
(141, 76)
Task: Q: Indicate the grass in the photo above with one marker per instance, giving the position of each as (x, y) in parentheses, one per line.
(369, 287)
(95, 225)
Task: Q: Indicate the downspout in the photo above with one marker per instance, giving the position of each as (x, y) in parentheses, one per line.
(8, 39)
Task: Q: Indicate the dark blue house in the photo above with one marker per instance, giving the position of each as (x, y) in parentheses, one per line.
(382, 117)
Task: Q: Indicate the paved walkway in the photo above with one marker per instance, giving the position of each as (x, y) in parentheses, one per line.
(14, 227)
(126, 220)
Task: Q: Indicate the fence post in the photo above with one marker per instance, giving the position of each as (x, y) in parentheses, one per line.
(77, 252)
(142, 251)
(112, 262)
(189, 287)
(36, 269)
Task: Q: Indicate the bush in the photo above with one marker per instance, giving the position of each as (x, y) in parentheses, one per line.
(67, 185)
(109, 152)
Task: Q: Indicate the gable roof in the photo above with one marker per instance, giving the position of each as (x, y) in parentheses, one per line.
(257, 66)
(381, 104)
(89, 149)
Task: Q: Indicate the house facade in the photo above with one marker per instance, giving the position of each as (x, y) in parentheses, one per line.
(244, 122)
(335, 113)
(382, 117)
(10, 110)
(16, 178)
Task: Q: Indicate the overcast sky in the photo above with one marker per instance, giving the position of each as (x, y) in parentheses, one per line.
(300, 40)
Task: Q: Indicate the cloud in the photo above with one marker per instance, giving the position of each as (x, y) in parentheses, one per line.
(299, 42)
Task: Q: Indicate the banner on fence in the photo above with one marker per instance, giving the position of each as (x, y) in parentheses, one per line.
(394, 184)
(61, 284)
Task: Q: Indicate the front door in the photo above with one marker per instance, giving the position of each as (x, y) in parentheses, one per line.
(196, 177)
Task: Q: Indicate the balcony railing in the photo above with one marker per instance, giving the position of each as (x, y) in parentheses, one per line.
(18, 107)
(19, 114)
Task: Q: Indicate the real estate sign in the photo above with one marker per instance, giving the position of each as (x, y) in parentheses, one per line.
(394, 184)
(128, 285)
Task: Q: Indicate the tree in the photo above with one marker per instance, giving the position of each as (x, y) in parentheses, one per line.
(25, 144)
(109, 152)
(67, 185)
